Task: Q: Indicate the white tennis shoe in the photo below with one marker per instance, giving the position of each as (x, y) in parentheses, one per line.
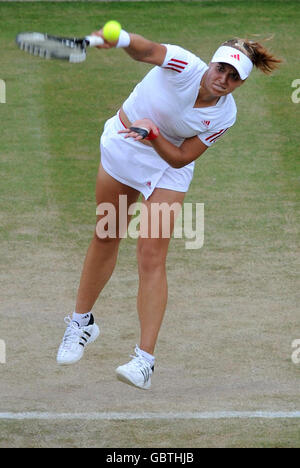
(75, 340)
(136, 372)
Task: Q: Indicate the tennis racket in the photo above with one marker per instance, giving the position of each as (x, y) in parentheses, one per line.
(56, 47)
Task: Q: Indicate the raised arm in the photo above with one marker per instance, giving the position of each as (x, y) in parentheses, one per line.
(140, 48)
(143, 50)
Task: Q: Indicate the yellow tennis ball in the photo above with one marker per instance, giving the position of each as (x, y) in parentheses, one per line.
(111, 31)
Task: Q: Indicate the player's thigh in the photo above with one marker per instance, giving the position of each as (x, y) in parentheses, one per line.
(113, 199)
(158, 217)
(109, 189)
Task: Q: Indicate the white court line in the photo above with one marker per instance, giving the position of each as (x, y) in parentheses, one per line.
(111, 416)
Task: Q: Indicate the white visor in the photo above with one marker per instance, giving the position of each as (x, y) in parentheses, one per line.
(234, 57)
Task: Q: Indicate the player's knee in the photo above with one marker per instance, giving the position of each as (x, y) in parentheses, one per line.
(107, 232)
(151, 255)
(105, 240)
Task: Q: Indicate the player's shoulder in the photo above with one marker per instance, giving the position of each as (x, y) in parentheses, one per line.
(180, 60)
(222, 118)
(228, 110)
(230, 101)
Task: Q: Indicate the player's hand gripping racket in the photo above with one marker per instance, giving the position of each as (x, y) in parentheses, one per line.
(55, 47)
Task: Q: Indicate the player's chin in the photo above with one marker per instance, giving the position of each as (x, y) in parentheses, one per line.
(219, 90)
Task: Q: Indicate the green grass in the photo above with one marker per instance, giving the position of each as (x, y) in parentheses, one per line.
(249, 181)
(55, 112)
(159, 434)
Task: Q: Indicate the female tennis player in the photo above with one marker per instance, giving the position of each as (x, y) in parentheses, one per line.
(180, 109)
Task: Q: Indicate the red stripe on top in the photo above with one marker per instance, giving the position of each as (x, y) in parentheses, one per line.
(221, 134)
(212, 136)
(122, 121)
(175, 65)
(171, 68)
(179, 61)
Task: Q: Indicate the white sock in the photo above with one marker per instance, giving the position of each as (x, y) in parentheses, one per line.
(82, 319)
(147, 356)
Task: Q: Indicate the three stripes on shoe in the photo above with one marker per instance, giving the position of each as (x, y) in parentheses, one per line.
(146, 373)
(83, 338)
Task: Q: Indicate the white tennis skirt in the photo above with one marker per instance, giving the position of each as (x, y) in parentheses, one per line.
(137, 165)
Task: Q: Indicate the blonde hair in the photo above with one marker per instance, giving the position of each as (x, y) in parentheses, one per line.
(259, 55)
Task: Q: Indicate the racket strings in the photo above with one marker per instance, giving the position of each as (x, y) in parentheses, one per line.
(35, 49)
(46, 46)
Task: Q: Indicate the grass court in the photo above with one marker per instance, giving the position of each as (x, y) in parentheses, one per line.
(233, 309)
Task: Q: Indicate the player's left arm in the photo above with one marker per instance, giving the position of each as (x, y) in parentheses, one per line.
(177, 157)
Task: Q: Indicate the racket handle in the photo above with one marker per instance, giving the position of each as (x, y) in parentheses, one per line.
(94, 40)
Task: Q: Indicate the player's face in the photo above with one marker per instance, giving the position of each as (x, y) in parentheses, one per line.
(222, 79)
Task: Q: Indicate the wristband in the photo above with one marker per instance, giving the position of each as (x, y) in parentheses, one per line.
(124, 39)
(152, 135)
(141, 131)
(145, 134)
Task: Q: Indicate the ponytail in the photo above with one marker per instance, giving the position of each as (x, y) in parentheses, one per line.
(260, 56)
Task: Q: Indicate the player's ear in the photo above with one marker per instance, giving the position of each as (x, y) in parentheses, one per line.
(242, 82)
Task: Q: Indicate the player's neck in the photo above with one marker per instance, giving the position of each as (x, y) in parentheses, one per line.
(205, 98)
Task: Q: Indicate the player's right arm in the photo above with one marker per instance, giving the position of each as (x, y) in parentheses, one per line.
(140, 48)
(143, 50)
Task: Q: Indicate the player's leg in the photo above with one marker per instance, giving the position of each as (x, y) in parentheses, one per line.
(98, 267)
(102, 254)
(152, 297)
(152, 254)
